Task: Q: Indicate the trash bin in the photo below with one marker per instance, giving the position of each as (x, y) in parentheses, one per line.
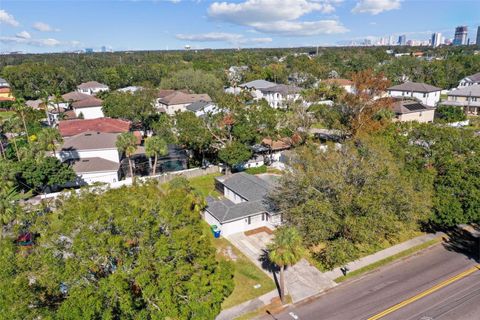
(215, 230)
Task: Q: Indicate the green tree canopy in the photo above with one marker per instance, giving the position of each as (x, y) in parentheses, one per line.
(195, 80)
(130, 253)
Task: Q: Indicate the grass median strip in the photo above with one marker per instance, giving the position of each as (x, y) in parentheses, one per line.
(385, 261)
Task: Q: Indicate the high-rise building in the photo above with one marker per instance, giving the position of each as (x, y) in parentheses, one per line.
(402, 40)
(460, 38)
(478, 37)
(391, 41)
(104, 49)
(436, 39)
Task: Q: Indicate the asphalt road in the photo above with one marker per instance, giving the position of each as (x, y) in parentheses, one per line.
(372, 294)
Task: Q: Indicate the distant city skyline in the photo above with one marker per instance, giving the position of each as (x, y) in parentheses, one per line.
(106, 25)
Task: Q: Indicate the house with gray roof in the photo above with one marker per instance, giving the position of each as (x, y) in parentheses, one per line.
(427, 94)
(467, 97)
(280, 95)
(410, 110)
(93, 155)
(92, 87)
(470, 80)
(202, 108)
(244, 205)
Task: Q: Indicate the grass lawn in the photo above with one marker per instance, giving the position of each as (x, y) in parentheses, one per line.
(247, 275)
(205, 185)
(6, 114)
(385, 261)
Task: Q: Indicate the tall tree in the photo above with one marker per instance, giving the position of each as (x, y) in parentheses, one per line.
(21, 109)
(48, 138)
(154, 147)
(127, 143)
(285, 250)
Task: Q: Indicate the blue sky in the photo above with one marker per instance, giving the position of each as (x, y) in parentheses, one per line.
(54, 26)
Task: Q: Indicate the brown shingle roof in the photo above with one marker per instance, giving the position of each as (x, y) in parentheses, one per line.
(281, 144)
(408, 106)
(179, 97)
(87, 103)
(414, 87)
(75, 96)
(70, 128)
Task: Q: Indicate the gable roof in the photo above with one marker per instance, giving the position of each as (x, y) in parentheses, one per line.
(162, 93)
(95, 164)
(470, 91)
(75, 96)
(87, 103)
(69, 128)
(282, 88)
(225, 210)
(258, 84)
(275, 145)
(92, 85)
(246, 185)
(474, 78)
(409, 106)
(179, 97)
(90, 140)
(415, 87)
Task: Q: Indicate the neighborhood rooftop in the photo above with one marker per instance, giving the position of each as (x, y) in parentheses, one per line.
(179, 97)
(94, 164)
(470, 91)
(225, 210)
(258, 84)
(408, 106)
(282, 89)
(198, 105)
(474, 78)
(87, 103)
(75, 96)
(90, 140)
(92, 85)
(106, 125)
(248, 186)
(414, 87)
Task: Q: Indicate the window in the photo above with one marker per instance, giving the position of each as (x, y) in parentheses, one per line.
(263, 216)
(249, 220)
(424, 95)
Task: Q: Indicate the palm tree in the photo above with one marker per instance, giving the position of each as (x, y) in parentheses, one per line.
(285, 250)
(154, 147)
(127, 143)
(9, 197)
(13, 125)
(21, 108)
(48, 138)
(45, 102)
(57, 99)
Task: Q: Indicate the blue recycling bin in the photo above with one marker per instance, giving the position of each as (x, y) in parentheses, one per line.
(215, 230)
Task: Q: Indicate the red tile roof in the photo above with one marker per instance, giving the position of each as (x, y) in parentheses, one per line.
(105, 125)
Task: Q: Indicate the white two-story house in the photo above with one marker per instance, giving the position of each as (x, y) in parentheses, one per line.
(280, 96)
(470, 80)
(427, 94)
(90, 108)
(172, 101)
(93, 155)
(245, 205)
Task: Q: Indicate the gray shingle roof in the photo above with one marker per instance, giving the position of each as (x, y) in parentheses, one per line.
(95, 164)
(415, 87)
(474, 78)
(92, 85)
(258, 84)
(473, 91)
(246, 185)
(225, 210)
(90, 141)
(283, 89)
(198, 105)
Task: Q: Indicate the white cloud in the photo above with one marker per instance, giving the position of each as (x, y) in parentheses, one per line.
(23, 35)
(233, 38)
(376, 6)
(298, 28)
(7, 18)
(49, 42)
(41, 26)
(278, 16)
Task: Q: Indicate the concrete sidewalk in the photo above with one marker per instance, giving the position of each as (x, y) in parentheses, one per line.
(247, 306)
(380, 255)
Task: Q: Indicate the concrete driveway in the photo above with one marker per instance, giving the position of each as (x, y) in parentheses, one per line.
(302, 280)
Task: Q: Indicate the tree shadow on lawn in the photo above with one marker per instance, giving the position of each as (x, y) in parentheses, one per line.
(464, 241)
(270, 267)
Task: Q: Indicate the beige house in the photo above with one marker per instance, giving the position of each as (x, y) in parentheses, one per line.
(409, 110)
(468, 97)
(171, 101)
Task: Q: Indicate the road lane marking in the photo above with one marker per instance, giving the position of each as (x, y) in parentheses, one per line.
(425, 293)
